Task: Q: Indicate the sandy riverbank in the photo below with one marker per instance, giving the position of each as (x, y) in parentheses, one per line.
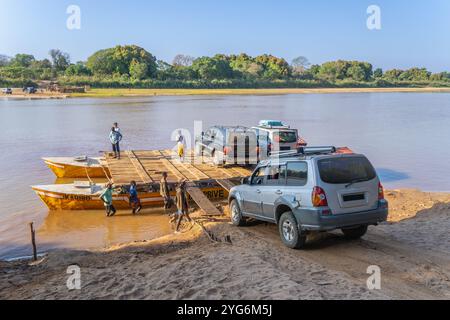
(41, 94)
(115, 93)
(412, 251)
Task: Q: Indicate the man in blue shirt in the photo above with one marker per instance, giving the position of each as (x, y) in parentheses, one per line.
(115, 137)
(135, 203)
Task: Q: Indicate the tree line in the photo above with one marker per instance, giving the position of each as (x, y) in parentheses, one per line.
(133, 66)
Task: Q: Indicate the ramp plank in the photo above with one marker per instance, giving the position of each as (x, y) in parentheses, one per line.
(226, 184)
(202, 201)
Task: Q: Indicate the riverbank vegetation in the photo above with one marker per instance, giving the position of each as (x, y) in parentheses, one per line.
(134, 67)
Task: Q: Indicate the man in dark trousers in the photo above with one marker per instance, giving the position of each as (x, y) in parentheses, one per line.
(164, 191)
(115, 137)
(182, 204)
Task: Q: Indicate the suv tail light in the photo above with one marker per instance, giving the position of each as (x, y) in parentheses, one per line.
(319, 198)
(380, 191)
(226, 150)
(301, 143)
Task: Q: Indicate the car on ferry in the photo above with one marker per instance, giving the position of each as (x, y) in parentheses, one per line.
(313, 189)
(275, 136)
(228, 145)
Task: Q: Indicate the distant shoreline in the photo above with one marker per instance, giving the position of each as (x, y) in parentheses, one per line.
(112, 93)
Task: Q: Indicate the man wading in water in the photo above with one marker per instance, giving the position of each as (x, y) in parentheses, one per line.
(107, 199)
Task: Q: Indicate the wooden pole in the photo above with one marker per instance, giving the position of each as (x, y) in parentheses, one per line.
(33, 241)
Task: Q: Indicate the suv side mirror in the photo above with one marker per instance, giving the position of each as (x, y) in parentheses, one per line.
(245, 180)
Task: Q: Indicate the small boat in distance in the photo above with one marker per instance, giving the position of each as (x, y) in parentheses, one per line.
(77, 167)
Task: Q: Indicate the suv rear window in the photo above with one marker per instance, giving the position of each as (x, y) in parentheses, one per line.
(285, 137)
(346, 170)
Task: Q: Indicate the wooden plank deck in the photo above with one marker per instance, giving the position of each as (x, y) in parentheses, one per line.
(147, 167)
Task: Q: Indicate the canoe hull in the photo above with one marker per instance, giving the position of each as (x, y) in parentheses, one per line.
(65, 170)
(57, 201)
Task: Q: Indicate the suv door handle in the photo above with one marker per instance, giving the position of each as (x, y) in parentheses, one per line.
(258, 191)
(279, 192)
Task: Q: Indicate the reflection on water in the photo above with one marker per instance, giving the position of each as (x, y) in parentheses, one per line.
(90, 229)
(405, 135)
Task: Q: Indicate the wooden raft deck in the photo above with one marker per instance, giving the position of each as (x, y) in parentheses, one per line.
(147, 166)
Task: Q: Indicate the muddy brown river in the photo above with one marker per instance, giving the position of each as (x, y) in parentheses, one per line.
(405, 135)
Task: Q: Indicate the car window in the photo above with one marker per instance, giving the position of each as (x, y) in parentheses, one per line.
(276, 175)
(296, 173)
(285, 136)
(346, 170)
(258, 176)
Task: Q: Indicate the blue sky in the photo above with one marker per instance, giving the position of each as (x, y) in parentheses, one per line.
(414, 33)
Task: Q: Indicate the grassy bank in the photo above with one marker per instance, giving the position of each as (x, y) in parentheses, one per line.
(106, 93)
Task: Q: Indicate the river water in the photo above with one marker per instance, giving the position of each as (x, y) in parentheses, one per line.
(405, 135)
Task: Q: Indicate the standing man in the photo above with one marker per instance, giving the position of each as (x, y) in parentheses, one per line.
(181, 145)
(164, 191)
(107, 198)
(115, 137)
(182, 204)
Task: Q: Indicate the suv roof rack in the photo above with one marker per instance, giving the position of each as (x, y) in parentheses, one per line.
(272, 124)
(304, 151)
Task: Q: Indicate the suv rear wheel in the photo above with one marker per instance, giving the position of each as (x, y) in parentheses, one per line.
(236, 215)
(289, 231)
(355, 233)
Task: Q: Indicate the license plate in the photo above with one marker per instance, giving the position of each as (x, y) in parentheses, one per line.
(353, 197)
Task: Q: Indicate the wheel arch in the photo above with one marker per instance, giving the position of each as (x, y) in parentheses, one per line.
(280, 210)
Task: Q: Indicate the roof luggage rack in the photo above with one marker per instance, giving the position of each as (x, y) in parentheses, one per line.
(304, 151)
(273, 124)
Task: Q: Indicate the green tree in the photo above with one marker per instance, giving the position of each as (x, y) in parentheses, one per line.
(245, 66)
(342, 69)
(212, 68)
(138, 70)
(78, 69)
(22, 60)
(415, 74)
(393, 74)
(378, 73)
(356, 73)
(118, 60)
(274, 68)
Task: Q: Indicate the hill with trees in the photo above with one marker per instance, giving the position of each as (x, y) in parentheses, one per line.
(131, 66)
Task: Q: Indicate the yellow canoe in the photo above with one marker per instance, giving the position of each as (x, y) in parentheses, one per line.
(82, 196)
(71, 167)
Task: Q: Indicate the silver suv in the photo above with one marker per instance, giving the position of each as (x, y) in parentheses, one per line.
(312, 189)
